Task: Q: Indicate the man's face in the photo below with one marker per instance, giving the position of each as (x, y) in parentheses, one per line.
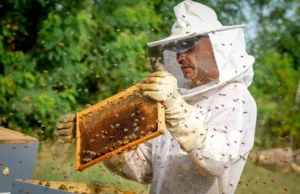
(198, 64)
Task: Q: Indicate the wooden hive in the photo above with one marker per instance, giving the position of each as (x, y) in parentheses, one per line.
(17, 157)
(56, 187)
(116, 124)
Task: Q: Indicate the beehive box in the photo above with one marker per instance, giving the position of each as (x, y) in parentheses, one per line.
(17, 157)
(54, 187)
(119, 123)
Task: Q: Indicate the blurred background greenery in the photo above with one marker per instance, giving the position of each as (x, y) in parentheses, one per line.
(56, 56)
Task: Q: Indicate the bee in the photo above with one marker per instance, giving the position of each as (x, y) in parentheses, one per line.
(5, 171)
(136, 129)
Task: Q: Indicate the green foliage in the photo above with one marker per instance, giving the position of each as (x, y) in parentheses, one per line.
(74, 53)
(276, 82)
(277, 71)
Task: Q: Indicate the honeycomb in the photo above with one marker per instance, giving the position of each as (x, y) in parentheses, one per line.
(116, 124)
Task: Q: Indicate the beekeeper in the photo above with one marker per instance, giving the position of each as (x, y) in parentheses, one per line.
(210, 114)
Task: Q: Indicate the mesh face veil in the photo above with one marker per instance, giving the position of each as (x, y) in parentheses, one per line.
(228, 48)
(184, 45)
(156, 53)
(190, 60)
(193, 20)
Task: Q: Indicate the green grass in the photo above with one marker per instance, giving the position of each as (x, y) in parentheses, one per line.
(259, 180)
(56, 162)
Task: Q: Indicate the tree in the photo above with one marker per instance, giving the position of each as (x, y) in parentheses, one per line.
(72, 54)
(277, 70)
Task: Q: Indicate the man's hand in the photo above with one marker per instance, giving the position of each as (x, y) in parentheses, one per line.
(161, 86)
(185, 124)
(66, 128)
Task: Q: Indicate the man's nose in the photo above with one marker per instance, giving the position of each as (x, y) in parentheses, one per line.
(180, 57)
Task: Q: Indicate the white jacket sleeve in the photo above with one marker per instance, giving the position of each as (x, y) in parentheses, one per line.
(134, 165)
(231, 129)
(185, 124)
(138, 165)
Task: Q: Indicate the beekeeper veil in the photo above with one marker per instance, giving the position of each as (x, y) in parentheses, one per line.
(193, 22)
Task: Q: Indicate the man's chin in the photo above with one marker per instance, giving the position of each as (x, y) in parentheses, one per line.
(193, 80)
(189, 76)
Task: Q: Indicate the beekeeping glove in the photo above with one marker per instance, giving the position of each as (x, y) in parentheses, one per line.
(115, 163)
(183, 121)
(66, 128)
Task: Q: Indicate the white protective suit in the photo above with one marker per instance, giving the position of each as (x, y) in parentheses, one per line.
(223, 109)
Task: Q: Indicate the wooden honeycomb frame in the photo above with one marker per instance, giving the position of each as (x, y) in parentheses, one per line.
(118, 97)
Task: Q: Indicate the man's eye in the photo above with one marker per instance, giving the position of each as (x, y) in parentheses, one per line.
(190, 50)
